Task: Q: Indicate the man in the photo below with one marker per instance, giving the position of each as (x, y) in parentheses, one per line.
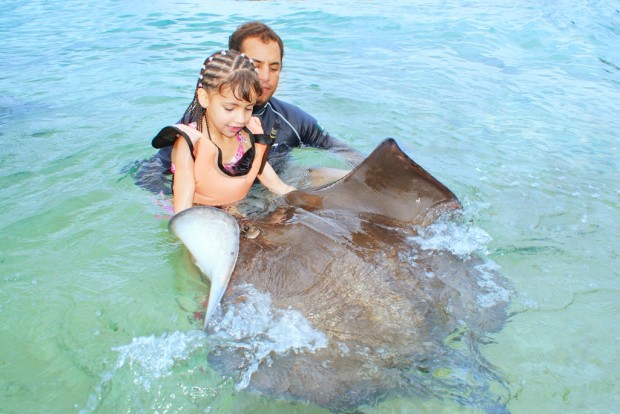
(294, 127)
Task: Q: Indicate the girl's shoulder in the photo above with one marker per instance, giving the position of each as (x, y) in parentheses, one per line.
(190, 131)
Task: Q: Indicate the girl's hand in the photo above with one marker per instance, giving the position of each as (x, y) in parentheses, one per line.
(255, 126)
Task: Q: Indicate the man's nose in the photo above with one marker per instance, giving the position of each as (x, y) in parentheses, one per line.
(263, 74)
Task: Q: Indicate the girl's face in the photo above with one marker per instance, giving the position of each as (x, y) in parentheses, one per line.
(225, 112)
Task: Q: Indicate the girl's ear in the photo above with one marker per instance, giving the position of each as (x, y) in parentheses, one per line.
(203, 97)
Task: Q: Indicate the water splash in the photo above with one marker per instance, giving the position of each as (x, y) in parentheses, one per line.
(255, 329)
(468, 243)
(250, 326)
(460, 240)
(150, 357)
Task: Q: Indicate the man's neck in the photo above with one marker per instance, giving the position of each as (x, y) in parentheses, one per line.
(259, 109)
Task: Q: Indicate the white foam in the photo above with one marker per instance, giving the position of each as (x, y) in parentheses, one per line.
(457, 238)
(465, 241)
(256, 327)
(151, 357)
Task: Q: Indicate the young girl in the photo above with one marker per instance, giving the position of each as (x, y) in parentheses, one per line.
(219, 147)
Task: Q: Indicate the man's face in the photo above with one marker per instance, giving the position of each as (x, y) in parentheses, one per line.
(267, 60)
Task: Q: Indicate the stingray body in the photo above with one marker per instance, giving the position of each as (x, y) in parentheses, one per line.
(398, 319)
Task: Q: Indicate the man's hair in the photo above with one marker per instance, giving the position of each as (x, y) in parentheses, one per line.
(254, 29)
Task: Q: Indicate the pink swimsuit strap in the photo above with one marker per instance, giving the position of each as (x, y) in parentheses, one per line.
(239, 154)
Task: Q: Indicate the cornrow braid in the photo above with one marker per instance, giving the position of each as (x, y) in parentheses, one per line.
(227, 68)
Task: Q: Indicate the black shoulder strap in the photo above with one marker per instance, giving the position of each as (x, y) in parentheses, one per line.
(189, 144)
(267, 140)
(167, 137)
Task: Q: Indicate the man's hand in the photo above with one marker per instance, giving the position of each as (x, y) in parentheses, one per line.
(255, 126)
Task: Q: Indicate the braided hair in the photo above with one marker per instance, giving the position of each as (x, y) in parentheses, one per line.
(227, 68)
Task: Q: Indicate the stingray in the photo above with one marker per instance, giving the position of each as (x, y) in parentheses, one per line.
(393, 316)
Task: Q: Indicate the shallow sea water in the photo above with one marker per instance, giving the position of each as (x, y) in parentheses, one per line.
(513, 105)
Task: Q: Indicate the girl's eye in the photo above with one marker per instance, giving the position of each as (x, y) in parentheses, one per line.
(228, 109)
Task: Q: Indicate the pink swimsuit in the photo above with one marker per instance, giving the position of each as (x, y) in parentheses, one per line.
(238, 155)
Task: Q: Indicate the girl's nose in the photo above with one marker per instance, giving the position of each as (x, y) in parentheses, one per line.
(240, 116)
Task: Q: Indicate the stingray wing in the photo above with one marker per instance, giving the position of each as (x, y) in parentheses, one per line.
(386, 183)
(212, 237)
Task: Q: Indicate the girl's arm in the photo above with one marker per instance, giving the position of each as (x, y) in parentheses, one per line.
(270, 179)
(184, 184)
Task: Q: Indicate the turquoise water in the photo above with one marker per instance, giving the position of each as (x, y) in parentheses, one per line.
(513, 105)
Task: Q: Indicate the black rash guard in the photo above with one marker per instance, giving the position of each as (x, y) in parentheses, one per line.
(297, 128)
